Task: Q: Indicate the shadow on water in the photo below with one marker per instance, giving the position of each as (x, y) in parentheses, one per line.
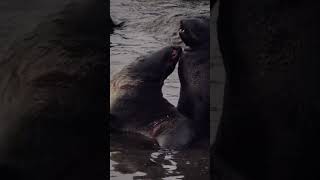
(148, 26)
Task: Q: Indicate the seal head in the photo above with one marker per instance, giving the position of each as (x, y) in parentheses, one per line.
(195, 32)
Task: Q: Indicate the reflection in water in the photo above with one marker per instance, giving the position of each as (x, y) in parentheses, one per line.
(117, 175)
(149, 26)
(134, 157)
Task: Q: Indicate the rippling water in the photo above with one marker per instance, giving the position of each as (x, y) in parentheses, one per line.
(148, 26)
(133, 157)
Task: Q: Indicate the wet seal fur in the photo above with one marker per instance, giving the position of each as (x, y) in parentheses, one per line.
(194, 71)
(269, 128)
(53, 91)
(137, 104)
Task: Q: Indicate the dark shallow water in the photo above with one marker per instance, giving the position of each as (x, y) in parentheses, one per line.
(149, 26)
(133, 157)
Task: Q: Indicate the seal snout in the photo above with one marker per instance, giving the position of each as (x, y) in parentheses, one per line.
(182, 28)
(185, 32)
(175, 53)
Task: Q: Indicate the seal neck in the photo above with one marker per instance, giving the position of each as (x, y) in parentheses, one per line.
(197, 47)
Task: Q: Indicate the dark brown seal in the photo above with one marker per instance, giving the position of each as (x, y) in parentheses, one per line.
(137, 103)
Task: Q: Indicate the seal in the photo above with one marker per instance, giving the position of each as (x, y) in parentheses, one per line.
(137, 104)
(269, 124)
(52, 84)
(194, 73)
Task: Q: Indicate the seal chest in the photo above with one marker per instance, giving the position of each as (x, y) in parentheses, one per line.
(194, 71)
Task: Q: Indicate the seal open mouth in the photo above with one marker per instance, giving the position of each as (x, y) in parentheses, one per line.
(175, 54)
(181, 29)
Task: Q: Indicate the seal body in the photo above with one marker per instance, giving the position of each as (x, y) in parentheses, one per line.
(137, 104)
(194, 73)
(53, 91)
(269, 128)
